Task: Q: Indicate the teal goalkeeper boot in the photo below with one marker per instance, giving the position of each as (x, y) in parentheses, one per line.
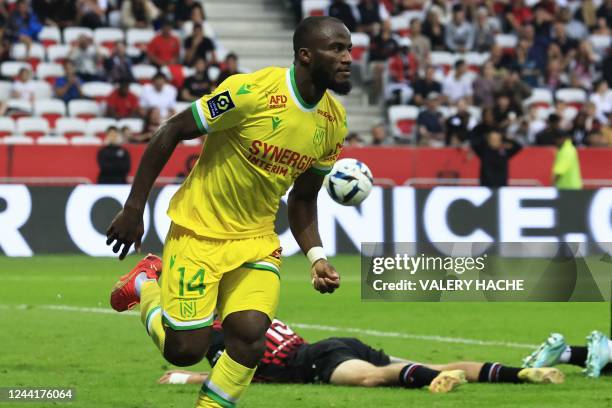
(598, 356)
(548, 353)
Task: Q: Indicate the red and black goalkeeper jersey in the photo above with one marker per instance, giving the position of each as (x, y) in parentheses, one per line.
(281, 345)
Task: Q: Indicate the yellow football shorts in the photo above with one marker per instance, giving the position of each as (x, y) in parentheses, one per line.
(200, 275)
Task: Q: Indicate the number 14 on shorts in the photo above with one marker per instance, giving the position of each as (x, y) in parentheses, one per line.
(194, 284)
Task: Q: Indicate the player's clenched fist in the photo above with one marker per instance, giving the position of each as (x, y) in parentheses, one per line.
(325, 279)
(126, 229)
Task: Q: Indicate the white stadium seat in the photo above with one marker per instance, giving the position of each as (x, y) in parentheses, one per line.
(507, 41)
(32, 126)
(70, 127)
(20, 105)
(83, 108)
(42, 89)
(600, 43)
(10, 69)
(143, 73)
(572, 96)
(403, 120)
(58, 53)
(139, 37)
(17, 140)
(50, 109)
(314, 7)
(50, 35)
(134, 124)
(97, 90)
(442, 59)
(52, 140)
(136, 89)
(7, 126)
(85, 141)
(97, 127)
(5, 90)
(49, 71)
(540, 97)
(108, 36)
(19, 51)
(72, 34)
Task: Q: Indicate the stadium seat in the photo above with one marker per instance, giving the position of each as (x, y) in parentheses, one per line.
(19, 108)
(314, 7)
(540, 97)
(52, 140)
(134, 124)
(107, 37)
(5, 90)
(575, 97)
(569, 113)
(213, 73)
(543, 113)
(139, 37)
(49, 35)
(42, 89)
(403, 121)
(442, 59)
(400, 25)
(181, 106)
(34, 55)
(83, 108)
(85, 141)
(58, 53)
(187, 30)
(508, 42)
(361, 45)
(49, 71)
(7, 126)
(97, 127)
(144, 73)
(10, 69)
(72, 34)
(70, 127)
(475, 60)
(17, 139)
(600, 43)
(97, 90)
(136, 89)
(50, 109)
(32, 126)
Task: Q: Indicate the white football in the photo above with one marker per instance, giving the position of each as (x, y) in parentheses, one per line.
(349, 182)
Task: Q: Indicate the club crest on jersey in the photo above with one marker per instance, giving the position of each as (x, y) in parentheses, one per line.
(277, 101)
(219, 104)
(187, 308)
(319, 135)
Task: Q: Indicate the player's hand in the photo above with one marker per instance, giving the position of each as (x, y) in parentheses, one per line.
(126, 229)
(194, 378)
(325, 279)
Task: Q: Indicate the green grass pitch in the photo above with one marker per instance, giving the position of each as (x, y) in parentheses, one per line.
(48, 338)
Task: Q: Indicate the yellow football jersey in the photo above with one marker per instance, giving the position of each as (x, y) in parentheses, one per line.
(262, 136)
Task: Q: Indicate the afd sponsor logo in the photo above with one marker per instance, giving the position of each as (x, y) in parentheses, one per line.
(73, 220)
(277, 101)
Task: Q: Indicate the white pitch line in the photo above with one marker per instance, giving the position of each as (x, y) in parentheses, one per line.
(334, 329)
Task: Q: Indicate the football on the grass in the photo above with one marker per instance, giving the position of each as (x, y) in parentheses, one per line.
(349, 182)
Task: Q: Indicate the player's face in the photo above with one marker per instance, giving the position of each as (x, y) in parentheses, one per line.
(331, 59)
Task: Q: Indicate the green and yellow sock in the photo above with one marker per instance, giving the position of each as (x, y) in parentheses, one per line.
(150, 313)
(226, 384)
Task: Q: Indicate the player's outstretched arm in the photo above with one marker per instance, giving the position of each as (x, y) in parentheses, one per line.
(127, 227)
(182, 377)
(303, 223)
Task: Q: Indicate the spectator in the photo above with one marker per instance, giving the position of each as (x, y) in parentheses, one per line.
(602, 99)
(459, 125)
(434, 30)
(552, 131)
(430, 123)
(516, 90)
(426, 85)
(164, 48)
(119, 65)
(25, 24)
(583, 66)
(555, 77)
(122, 103)
(231, 68)
(582, 126)
(138, 13)
(526, 65)
(484, 86)
(113, 159)
(182, 11)
(459, 33)
(484, 31)
(353, 140)
(566, 168)
(62, 13)
(86, 58)
(494, 156)
(567, 45)
(343, 12)
(505, 112)
(403, 68)
(199, 46)
(370, 17)
(587, 13)
(604, 12)
(91, 13)
(516, 14)
(380, 137)
(152, 122)
(198, 84)
(421, 46)
(68, 87)
(160, 95)
(459, 84)
(534, 124)
(487, 124)
(23, 87)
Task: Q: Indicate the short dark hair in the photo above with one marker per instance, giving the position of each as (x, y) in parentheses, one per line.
(159, 75)
(307, 28)
(459, 62)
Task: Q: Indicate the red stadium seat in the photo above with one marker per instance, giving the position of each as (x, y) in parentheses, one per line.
(97, 127)
(49, 71)
(400, 25)
(403, 120)
(34, 55)
(32, 126)
(50, 109)
(314, 7)
(83, 108)
(49, 36)
(7, 126)
(70, 127)
(361, 45)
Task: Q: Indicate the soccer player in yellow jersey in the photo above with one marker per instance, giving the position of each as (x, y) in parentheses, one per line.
(267, 130)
